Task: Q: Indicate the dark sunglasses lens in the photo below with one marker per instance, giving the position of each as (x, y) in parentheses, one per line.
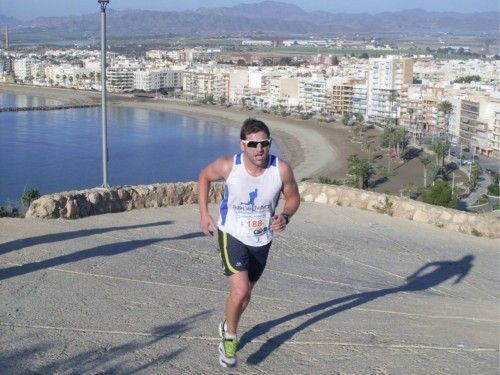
(254, 144)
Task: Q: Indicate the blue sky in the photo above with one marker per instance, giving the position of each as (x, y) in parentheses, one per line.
(27, 9)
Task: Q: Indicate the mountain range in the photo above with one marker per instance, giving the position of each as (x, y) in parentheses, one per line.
(264, 18)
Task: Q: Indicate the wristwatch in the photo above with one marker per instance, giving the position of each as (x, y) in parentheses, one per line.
(286, 217)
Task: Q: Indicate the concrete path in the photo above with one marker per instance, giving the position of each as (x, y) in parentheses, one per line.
(346, 292)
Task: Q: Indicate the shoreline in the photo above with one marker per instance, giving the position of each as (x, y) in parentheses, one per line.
(312, 148)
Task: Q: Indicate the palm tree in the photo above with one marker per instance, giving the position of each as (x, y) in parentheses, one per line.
(425, 160)
(440, 149)
(393, 96)
(362, 169)
(446, 108)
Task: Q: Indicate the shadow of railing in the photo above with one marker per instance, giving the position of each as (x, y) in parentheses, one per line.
(63, 236)
(107, 250)
(104, 359)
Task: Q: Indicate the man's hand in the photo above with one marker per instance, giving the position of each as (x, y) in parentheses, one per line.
(278, 223)
(207, 225)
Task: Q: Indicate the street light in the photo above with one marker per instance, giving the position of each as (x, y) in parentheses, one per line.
(105, 184)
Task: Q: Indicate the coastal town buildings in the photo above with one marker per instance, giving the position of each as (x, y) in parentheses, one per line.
(386, 77)
(386, 91)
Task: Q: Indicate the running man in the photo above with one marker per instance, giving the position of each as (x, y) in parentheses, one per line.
(254, 180)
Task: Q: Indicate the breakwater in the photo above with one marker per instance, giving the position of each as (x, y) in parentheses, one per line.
(47, 107)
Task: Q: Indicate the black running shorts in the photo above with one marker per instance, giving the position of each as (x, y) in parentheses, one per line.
(236, 256)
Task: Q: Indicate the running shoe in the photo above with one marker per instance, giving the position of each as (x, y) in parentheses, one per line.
(227, 352)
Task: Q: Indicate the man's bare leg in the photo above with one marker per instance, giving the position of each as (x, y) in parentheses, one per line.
(240, 289)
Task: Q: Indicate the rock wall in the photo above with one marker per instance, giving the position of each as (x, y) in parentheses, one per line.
(404, 208)
(75, 204)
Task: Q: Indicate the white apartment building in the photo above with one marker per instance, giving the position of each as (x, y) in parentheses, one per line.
(120, 79)
(203, 82)
(483, 127)
(24, 68)
(238, 84)
(283, 91)
(495, 135)
(151, 80)
(360, 97)
(312, 94)
(386, 77)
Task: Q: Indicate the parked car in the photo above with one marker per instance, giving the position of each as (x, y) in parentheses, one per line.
(490, 171)
(466, 162)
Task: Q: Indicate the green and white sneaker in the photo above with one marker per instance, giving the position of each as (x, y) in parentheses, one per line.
(227, 347)
(222, 328)
(227, 352)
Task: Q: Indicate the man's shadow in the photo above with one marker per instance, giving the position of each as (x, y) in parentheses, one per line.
(437, 273)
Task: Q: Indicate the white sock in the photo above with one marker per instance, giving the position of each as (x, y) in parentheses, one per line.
(230, 336)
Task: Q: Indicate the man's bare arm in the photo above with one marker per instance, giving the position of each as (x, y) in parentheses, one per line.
(217, 170)
(291, 196)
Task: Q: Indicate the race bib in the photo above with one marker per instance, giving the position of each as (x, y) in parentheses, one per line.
(253, 224)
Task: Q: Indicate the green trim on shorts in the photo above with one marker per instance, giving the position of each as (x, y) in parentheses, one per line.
(226, 255)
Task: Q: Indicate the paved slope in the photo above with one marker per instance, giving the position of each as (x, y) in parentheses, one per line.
(141, 292)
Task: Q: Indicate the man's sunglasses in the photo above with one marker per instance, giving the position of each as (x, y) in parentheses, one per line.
(254, 144)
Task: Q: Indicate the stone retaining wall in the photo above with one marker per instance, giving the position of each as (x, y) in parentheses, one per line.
(75, 204)
(404, 208)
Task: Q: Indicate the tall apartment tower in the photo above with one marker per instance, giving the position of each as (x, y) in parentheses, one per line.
(386, 77)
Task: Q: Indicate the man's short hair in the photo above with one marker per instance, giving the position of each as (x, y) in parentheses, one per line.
(251, 126)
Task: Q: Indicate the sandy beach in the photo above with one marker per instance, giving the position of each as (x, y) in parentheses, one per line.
(312, 148)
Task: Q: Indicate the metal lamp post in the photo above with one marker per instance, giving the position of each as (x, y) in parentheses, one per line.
(105, 184)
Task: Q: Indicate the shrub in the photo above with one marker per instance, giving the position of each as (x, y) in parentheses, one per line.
(29, 196)
(476, 233)
(439, 194)
(494, 189)
(328, 181)
(9, 212)
(386, 208)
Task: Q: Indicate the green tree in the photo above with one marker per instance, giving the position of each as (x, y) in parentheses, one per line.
(395, 138)
(393, 97)
(446, 108)
(362, 169)
(475, 172)
(29, 196)
(439, 194)
(369, 147)
(347, 119)
(494, 189)
(468, 79)
(425, 160)
(440, 149)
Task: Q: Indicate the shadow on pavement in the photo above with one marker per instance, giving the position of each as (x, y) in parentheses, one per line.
(99, 251)
(55, 237)
(106, 359)
(437, 273)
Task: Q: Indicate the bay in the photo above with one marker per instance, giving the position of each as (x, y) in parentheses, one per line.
(61, 150)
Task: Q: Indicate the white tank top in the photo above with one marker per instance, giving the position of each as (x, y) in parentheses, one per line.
(249, 202)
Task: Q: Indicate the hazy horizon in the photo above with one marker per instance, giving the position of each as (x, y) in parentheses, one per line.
(29, 9)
